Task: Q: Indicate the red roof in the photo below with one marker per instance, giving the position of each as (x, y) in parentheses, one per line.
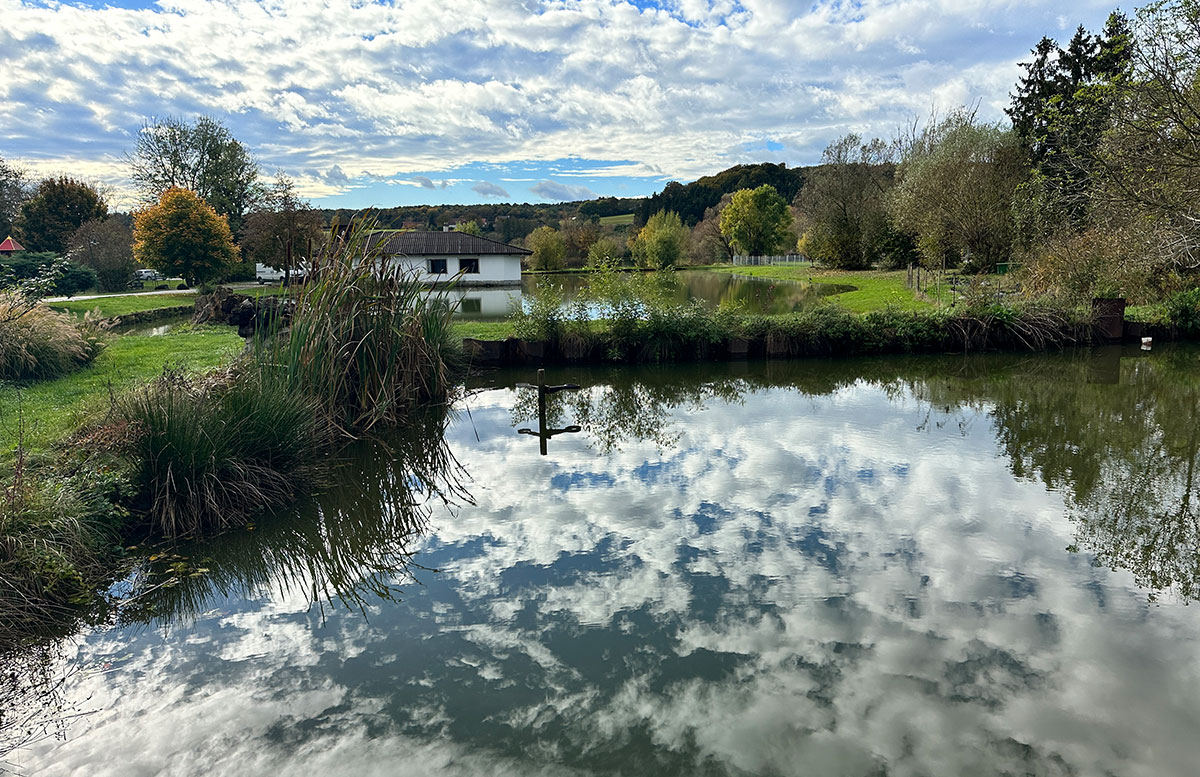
(9, 245)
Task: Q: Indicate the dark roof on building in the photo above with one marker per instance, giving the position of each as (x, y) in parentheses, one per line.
(443, 243)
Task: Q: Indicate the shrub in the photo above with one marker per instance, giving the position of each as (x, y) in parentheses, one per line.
(38, 343)
(1183, 311)
(209, 456)
(56, 536)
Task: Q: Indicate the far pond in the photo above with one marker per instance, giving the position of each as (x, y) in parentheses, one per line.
(753, 295)
(924, 566)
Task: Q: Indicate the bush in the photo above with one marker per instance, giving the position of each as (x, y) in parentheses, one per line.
(1183, 312)
(40, 343)
(56, 537)
(73, 279)
(206, 457)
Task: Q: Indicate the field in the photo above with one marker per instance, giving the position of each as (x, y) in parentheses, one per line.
(53, 409)
(614, 221)
(874, 289)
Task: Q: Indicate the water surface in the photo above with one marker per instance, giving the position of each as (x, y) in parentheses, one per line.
(927, 566)
(711, 289)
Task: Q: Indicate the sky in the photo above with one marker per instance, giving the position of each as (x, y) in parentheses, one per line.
(377, 104)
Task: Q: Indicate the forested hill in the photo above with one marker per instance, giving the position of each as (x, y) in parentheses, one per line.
(691, 200)
(512, 221)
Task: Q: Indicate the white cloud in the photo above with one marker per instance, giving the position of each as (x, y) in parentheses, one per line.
(413, 87)
(486, 189)
(561, 192)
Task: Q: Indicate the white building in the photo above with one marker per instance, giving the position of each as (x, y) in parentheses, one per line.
(467, 260)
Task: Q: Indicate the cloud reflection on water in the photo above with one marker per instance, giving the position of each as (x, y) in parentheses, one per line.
(799, 584)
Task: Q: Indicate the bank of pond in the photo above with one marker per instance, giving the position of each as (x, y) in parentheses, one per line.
(745, 567)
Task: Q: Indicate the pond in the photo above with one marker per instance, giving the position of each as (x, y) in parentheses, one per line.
(754, 295)
(901, 566)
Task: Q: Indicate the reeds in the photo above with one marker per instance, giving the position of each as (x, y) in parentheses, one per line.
(209, 456)
(365, 340)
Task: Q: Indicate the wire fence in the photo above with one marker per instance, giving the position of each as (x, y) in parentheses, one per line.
(781, 259)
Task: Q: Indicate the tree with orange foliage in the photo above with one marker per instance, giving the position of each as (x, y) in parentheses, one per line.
(182, 235)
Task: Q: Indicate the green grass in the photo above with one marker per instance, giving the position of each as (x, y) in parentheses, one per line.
(53, 409)
(122, 305)
(134, 303)
(482, 330)
(612, 221)
(874, 289)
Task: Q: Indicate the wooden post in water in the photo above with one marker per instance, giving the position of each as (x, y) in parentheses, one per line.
(541, 386)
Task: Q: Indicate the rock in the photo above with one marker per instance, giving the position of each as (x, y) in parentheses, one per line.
(248, 314)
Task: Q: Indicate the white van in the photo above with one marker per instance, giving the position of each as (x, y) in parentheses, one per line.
(265, 274)
(147, 275)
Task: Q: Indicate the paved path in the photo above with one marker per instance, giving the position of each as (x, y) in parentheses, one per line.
(247, 285)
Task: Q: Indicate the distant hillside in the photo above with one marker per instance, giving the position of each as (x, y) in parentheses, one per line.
(691, 200)
(512, 221)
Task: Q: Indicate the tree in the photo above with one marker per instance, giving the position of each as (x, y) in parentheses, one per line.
(954, 190)
(281, 228)
(470, 228)
(758, 222)
(106, 247)
(12, 195)
(58, 207)
(1059, 113)
(549, 248)
(1148, 167)
(605, 251)
(662, 243)
(708, 245)
(202, 156)
(183, 235)
(844, 202)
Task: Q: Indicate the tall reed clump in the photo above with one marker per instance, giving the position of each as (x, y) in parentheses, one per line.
(366, 339)
(37, 343)
(206, 455)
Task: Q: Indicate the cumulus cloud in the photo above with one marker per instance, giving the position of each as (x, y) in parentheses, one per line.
(561, 192)
(676, 91)
(487, 189)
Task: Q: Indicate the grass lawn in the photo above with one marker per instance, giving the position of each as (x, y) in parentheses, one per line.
(612, 221)
(53, 409)
(874, 289)
(119, 306)
(482, 330)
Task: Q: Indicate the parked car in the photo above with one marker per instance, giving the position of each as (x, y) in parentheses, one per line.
(266, 274)
(148, 275)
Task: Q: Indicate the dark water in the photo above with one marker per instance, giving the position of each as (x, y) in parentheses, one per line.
(754, 295)
(928, 566)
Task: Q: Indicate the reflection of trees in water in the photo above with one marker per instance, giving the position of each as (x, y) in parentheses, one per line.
(351, 542)
(1116, 433)
(33, 705)
(1119, 438)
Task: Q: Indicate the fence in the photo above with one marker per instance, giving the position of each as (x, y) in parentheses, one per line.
(784, 259)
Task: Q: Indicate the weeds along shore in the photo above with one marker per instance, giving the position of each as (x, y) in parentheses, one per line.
(190, 454)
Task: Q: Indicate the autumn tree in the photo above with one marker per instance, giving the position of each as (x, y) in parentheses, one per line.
(281, 228)
(58, 207)
(549, 248)
(183, 235)
(469, 228)
(201, 156)
(757, 222)
(662, 243)
(106, 247)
